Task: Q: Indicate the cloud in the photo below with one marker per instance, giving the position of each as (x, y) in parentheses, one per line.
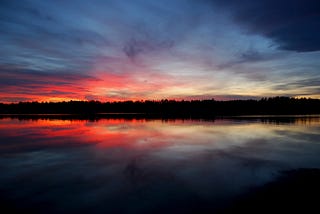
(250, 56)
(216, 97)
(293, 24)
(134, 47)
(313, 85)
(45, 36)
(22, 85)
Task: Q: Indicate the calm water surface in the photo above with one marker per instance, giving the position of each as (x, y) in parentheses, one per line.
(146, 166)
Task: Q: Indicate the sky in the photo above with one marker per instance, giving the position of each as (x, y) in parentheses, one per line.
(114, 50)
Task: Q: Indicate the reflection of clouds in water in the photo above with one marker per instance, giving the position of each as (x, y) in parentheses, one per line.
(218, 173)
(103, 165)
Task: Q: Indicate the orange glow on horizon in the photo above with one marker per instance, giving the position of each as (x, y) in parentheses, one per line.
(130, 84)
(99, 85)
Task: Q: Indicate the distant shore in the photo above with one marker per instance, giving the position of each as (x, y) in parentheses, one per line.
(171, 108)
(272, 119)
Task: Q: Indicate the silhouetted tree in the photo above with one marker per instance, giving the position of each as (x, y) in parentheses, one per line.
(194, 108)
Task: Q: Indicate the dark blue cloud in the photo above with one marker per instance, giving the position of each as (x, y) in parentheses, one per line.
(135, 47)
(293, 24)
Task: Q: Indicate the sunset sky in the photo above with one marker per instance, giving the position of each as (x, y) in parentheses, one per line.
(158, 49)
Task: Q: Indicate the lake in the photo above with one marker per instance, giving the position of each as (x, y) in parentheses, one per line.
(106, 165)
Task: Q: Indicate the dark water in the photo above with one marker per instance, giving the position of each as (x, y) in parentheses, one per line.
(146, 166)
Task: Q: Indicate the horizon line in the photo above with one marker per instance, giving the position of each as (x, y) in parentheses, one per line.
(165, 99)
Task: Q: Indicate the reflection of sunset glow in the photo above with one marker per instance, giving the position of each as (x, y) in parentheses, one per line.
(107, 133)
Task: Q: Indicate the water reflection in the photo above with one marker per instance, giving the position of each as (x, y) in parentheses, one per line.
(146, 165)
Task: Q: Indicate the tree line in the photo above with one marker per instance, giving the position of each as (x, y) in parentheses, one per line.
(264, 106)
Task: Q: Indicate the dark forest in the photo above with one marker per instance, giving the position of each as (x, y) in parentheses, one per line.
(203, 108)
